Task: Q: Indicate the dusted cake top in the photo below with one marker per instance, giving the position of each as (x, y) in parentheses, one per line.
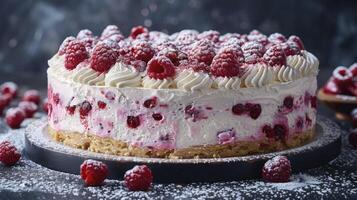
(186, 60)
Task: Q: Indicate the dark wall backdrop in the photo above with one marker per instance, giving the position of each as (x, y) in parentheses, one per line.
(31, 31)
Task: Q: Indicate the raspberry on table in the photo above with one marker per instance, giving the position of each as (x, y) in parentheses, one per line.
(252, 51)
(14, 117)
(142, 50)
(277, 169)
(227, 63)
(9, 88)
(297, 41)
(75, 53)
(9, 155)
(275, 56)
(203, 51)
(32, 96)
(160, 67)
(138, 178)
(103, 57)
(62, 49)
(137, 30)
(93, 172)
(29, 108)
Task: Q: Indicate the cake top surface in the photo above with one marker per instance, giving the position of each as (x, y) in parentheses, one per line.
(186, 60)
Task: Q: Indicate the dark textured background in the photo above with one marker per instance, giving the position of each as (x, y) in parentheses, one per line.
(31, 31)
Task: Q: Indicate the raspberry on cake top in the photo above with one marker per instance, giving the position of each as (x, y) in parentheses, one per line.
(155, 91)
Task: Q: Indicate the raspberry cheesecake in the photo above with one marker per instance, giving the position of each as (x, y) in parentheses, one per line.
(185, 95)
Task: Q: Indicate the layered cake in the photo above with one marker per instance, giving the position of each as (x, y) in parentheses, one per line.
(185, 95)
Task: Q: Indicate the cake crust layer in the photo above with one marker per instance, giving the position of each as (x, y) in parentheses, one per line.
(240, 148)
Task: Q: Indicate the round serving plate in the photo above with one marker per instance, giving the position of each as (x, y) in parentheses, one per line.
(325, 146)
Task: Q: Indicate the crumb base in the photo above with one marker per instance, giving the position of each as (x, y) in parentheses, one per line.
(240, 148)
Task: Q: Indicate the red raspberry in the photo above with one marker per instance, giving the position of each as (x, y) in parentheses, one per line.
(331, 87)
(277, 169)
(211, 35)
(85, 108)
(289, 102)
(157, 116)
(232, 43)
(75, 53)
(173, 54)
(45, 105)
(203, 51)
(9, 155)
(353, 70)
(343, 79)
(228, 36)
(258, 37)
(85, 33)
(142, 50)
(277, 38)
(33, 96)
(280, 131)
(93, 172)
(160, 68)
(186, 37)
(352, 138)
(137, 30)
(253, 51)
(238, 109)
(268, 131)
(139, 178)
(101, 105)
(64, 44)
(9, 88)
(14, 117)
(89, 43)
(275, 56)
(71, 109)
(254, 110)
(110, 30)
(227, 62)
(133, 121)
(103, 57)
(150, 103)
(297, 41)
(290, 48)
(29, 108)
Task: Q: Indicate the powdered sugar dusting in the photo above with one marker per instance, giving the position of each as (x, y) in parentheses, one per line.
(336, 180)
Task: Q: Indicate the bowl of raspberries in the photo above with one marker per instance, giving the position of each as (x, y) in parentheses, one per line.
(340, 91)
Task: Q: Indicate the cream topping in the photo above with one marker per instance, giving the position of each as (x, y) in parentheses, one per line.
(86, 75)
(312, 61)
(121, 75)
(285, 73)
(227, 83)
(189, 80)
(299, 63)
(156, 83)
(258, 75)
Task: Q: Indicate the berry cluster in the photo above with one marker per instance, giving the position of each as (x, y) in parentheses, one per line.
(208, 52)
(253, 110)
(343, 81)
(26, 108)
